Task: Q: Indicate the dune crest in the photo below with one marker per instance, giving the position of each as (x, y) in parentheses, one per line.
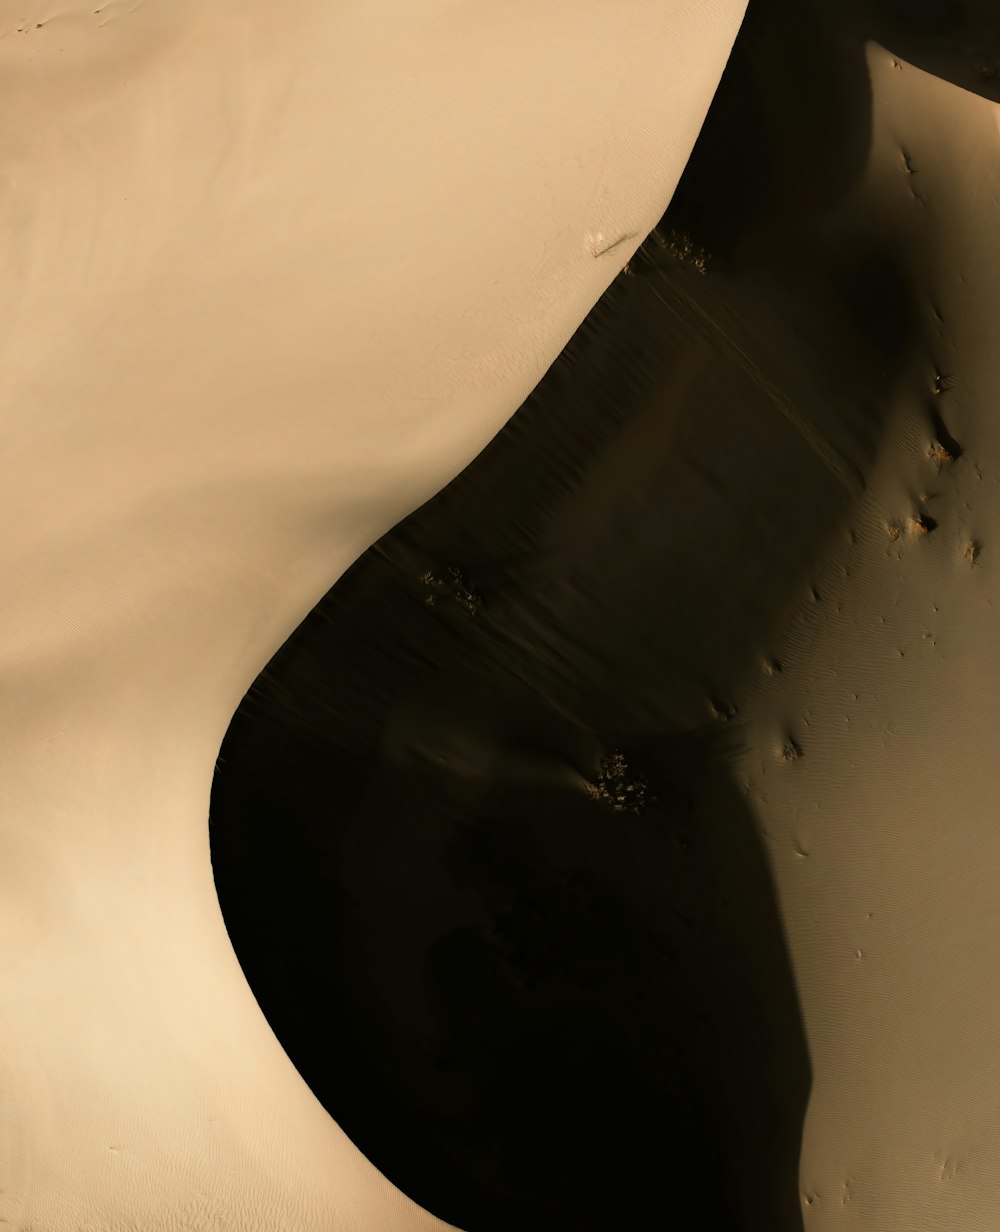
(271, 277)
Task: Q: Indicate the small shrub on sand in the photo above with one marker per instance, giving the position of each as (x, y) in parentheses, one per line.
(683, 249)
(454, 587)
(617, 789)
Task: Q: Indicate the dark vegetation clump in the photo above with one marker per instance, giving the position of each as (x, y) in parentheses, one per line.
(618, 789)
(455, 587)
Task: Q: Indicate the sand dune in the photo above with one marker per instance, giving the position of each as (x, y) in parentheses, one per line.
(881, 835)
(270, 277)
(740, 532)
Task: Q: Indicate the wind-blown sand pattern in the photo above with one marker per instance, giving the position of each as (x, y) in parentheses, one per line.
(271, 276)
(734, 554)
(612, 846)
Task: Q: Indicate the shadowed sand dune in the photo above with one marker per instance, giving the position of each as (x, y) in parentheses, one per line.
(613, 845)
(729, 564)
(271, 276)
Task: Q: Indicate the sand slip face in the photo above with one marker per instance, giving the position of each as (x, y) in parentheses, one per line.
(269, 278)
(881, 824)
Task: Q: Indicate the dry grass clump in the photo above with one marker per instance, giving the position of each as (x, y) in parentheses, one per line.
(617, 789)
(454, 587)
(683, 249)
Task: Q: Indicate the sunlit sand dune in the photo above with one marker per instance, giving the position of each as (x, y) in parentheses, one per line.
(270, 276)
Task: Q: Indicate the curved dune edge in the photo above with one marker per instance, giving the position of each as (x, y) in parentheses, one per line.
(267, 285)
(870, 752)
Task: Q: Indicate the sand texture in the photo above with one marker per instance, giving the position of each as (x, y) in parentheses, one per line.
(270, 277)
(416, 814)
(645, 775)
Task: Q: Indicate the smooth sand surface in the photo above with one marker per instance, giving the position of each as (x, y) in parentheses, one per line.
(271, 275)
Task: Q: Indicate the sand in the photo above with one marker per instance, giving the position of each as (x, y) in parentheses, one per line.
(740, 532)
(270, 278)
(882, 835)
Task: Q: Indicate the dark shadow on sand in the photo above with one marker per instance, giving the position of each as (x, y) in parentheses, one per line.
(529, 1009)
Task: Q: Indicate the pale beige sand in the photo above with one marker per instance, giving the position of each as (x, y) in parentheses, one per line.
(884, 833)
(271, 275)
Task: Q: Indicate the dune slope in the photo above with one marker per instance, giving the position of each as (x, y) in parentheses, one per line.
(270, 277)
